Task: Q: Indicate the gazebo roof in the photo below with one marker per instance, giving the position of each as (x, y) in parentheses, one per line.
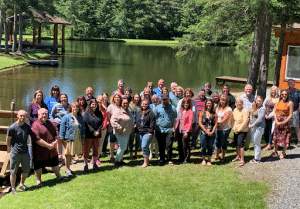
(43, 17)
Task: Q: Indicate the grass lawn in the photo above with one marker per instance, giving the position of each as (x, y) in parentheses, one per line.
(180, 186)
(150, 42)
(16, 59)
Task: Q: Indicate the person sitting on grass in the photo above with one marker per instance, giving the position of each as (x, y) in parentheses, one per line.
(17, 135)
(240, 129)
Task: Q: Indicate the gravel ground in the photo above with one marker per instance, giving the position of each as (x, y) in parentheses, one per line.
(283, 176)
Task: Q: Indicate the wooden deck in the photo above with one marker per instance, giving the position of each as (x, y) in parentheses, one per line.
(223, 79)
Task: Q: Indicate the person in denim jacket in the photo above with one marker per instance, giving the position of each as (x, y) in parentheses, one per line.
(72, 131)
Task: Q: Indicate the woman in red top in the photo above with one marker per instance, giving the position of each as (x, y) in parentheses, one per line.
(183, 129)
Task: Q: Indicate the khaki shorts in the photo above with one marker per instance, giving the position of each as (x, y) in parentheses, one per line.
(295, 119)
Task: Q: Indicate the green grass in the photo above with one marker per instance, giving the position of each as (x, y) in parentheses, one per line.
(150, 42)
(16, 59)
(179, 186)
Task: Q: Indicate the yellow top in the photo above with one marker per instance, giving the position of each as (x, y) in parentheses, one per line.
(241, 119)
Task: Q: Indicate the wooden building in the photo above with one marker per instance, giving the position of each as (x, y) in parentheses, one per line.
(290, 64)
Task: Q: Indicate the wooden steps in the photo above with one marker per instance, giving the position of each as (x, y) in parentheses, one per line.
(223, 79)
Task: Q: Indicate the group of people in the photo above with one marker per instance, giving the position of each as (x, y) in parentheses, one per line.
(151, 120)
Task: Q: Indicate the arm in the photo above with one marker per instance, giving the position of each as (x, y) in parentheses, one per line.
(87, 117)
(216, 125)
(101, 119)
(8, 141)
(53, 112)
(29, 112)
(227, 116)
(36, 138)
(152, 122)
(275, 116)
(261, 115)
(201, 124)
(191, 119)
(63, 127)
(82, 128)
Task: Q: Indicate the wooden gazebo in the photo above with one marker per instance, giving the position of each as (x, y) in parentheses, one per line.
(43, 18)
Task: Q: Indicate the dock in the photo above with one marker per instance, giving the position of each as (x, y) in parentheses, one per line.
(43, 62)
(223, 79)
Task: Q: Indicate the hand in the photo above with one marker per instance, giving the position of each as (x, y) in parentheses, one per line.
(267, 117)
(50, 146)
(173, 129)
(210, 133)
(55, 142)
(149, 135)
(185, 134)
(249, 126)
(119, 131)
(96, 133)
(134, 126)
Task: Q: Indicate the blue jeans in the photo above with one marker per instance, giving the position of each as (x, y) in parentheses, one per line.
(268, 131)
(207, 144)
(221, 139)
(137, 145)
(123, 141)
(146, 141)
(195, 136)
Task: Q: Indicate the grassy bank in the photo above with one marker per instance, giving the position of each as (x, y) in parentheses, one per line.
(180, 186)
(14, 59)
(150, 42)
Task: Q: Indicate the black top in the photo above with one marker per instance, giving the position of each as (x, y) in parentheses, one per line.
(208, 122)
(146, 122)
(231, 101)
(19, 135)
(93, 123)
(32, 112)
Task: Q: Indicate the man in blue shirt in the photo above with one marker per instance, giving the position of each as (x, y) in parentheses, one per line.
(165, 115)
(294, 95)
(161, 84)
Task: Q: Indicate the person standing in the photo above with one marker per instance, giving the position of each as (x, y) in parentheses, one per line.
(183, 129)
(36, 104)
(240, 129)
(105, 105)
(248, 100)
(120, 89)
(72, 132)
(216, 99)
(82, 102)
(294, 96)
(158, 90)
(89, 94)
(208, 91)
(269, 105)
(154, 144)
(44, 140)
(128, 92)
(200, 104)
(165, 115)
(134, 108)
(52, 99)
(149, 86)
(145, 126)
(122, 123)
(208, 124)
(283, 114)
(16, 139)
(178, 96)
(231, 99)
(256, 126)
(172, 93)
(93, 125)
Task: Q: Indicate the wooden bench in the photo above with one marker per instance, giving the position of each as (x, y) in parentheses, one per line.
(223, 79)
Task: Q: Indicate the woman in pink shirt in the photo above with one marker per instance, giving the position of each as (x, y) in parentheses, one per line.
(183, 128)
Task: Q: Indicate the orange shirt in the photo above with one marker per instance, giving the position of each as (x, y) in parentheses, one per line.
(282, 108)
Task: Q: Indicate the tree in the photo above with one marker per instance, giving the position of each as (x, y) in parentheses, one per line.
(14, 46)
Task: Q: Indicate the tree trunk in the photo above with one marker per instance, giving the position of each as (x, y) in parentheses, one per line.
(20, 46)
(257, 46)
(264, 62)
(279, 55)
(14, 45)
(6, 31)
(1, 23)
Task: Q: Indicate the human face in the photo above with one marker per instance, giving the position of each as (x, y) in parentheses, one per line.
(63, 99)
(161, 83)
(120, 85)
(186, 106)
(147, 94)
(89, 93)
(239, 104)
(127, 94)
(81, 102)
(21, 116)
(93, 106)
(202, 95)
(125, 104)
(188, 94)
(136, 99)
(165, 91)
(39, 97)
(55, 93)
(105, 98)
(75, 110)
(43, 115)
(216, 98)
(209, 105)
(155, 101)
(222, 102)
(225, 90)
(150, 86)
(117, 100)
(144, 105)
(284, 95)
(273, 93)
(179, 93)
(207, 88)
(291, 84)
(259, 102)
(99, 101)
(248, 90)
(173, 87)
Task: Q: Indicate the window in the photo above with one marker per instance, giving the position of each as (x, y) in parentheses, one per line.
(293, 63)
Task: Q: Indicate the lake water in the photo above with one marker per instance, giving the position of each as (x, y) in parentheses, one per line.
(100, 65)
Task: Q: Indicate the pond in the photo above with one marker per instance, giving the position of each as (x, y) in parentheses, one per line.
(101, 64)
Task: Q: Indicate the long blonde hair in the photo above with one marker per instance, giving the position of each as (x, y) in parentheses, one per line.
(254, 107)
(34, 97)
(276, 89)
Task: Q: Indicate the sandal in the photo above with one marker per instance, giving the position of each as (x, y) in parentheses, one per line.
(241, 164)
(171, 163)
(203, 162)
(283, 155)
(208, 164)
(274, 154)
(236, 159)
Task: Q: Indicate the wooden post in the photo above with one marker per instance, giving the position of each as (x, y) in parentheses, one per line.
(10, 32)
(33, 37)
(55, 38)
(12, 109)
(40, 33)
(63, 39)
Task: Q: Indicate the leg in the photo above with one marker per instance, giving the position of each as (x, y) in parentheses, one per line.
(104, 147)
(123, 141)
(146, 140)
(247, 141)
(23, 178)
(161, 139)
(86, 147)
(68, 159)
(256, 137)
(218, 144)
(169, 145)
(203, 139)
(13, 178)
(180, 146)
(55, 169)
(95, 148)
(186, 147)
(131, 140)
(137, 144)
(224, 142)
(38, 174)
(101, 142)
(298, 133)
